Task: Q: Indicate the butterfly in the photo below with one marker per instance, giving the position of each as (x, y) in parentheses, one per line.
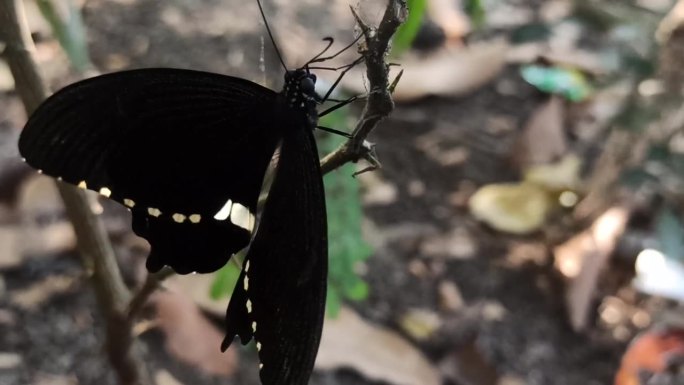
(186, 151)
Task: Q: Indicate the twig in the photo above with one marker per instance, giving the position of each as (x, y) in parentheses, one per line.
(94, 246)
(152, 283)
(379, 103)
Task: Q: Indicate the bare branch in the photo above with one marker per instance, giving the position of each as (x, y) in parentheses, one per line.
(94, 246)
(379, 103)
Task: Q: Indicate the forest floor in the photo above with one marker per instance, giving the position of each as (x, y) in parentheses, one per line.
(493, 304)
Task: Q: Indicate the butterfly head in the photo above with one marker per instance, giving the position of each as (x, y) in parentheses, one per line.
(300, 92)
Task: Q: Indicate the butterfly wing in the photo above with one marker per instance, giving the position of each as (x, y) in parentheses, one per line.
(185, 150)
(279, 299)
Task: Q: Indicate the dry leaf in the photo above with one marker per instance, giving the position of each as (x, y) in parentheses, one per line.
(449, 16)
(450, 297)
(543, 138)
(450, 72)
(11, 249)
(190, 337)
(458, 244)
(420, 324)
(46, 229)
(54, 379)
(516, 208)
(468, 366)
(378, 354)
(586, 255)
(9, 360)
(377, 191)
(6, 78)
(39, 292)
(559, 176)
(651, 352)
(163, 377)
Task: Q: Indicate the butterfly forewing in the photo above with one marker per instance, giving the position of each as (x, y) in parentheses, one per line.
(178, 147)
(280, 297)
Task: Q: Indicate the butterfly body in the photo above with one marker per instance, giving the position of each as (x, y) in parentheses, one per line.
(186, 152)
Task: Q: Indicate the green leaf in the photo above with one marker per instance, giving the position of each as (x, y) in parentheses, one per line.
(569, 83)
(69, 30)
(670, 232)
(405, 35)
(224, 281)
(475, 9)
(346, 247)
(357, 291)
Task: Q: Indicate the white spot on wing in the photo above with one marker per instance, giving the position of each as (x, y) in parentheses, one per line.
(247, 266)
(154, 211)
(59, 178)
(129, 202)
(82, 184)
(249, 306)
(40, 171)
(224, 213)
(258, 345)
(195, 218)
(245, 283)
(253, 326)
(239, 215)
(180, 218)
(261, 366)
(106, 192)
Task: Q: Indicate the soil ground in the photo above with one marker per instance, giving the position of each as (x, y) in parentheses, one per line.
(532, 341)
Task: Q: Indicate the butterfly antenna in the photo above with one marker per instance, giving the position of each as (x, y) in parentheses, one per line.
(318, 58)
(327, 47)
(268, 29)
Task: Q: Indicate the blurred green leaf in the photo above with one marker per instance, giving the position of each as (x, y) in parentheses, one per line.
(475, 9)
(636, 116)
(570, 83)
(530, 33)
(346, 246)
(224, 281)
(69, 30)
(408, 31)
(636, 177)
(670, 232)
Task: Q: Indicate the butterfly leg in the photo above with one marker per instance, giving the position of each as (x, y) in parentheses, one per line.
(339, 78)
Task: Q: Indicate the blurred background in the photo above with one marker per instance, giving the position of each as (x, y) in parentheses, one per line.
(525, 227)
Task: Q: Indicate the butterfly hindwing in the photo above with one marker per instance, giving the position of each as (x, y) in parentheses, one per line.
(176, 146)
(280, 297)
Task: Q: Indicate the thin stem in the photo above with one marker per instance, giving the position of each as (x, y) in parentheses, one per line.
(379, 103)
(93, 243)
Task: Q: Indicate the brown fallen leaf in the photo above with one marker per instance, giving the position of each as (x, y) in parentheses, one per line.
(457, 244)
(543, 137)
(583, 257)
(449, 72)
(39, 292)
(468, 366)
(377, 353)
(9, 360)
(11, 249)
(45, 229)
(450, 298)
(190, 337)
(163, 377)
(449, 16)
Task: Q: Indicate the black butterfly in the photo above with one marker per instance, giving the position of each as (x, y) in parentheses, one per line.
(186, 152)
